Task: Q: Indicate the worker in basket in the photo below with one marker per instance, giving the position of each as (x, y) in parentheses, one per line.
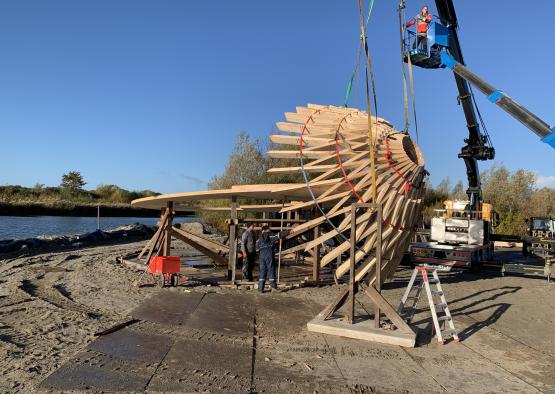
(265, 248)
(422, 20)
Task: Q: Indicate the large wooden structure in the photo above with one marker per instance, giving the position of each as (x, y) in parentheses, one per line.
(332, 146)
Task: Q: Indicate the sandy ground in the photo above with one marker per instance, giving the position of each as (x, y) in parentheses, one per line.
(52, 304)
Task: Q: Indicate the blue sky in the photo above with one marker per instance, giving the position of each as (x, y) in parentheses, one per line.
(150, 94)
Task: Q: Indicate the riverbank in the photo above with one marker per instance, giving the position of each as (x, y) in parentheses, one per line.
(74, 208)
(132, 232)
(135, 231)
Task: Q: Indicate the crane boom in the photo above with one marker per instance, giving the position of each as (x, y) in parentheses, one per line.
(476, 147)
(516, 110)
(442, 49)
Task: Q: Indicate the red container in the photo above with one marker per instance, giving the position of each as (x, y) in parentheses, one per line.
(164, 265)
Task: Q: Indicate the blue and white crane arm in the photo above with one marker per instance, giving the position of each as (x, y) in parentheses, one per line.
(516, 110)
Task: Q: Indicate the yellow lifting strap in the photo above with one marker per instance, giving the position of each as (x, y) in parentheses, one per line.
(371, 144)
(405, 93)
(411, 77)
(411, 81)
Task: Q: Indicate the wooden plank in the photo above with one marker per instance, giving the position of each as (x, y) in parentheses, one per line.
(217, 258)
(156, 235)
(168, 228)
(363, 330)
(316, 262)
(207, 243)
(335, 305)
(389, 311)
(310, 154)
(157, 241)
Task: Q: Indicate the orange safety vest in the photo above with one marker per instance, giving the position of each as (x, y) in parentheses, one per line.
(423, 21)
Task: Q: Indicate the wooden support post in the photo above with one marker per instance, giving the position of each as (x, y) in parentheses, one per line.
(168, 230)
(378, 285)
(316, 263)
(351, 301)
(232, 241)
(280, 248)
(335, 305)
(151, 244)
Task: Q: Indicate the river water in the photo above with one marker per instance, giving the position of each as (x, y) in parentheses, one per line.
(21, 227)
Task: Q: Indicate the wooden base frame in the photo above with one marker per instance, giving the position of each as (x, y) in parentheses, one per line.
(328, 322)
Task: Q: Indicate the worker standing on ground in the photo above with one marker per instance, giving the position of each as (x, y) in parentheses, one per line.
(422, 20)
(265, 249)
(248, 248)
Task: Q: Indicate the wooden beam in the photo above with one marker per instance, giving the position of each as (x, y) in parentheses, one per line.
(316, 262)
(389, 311)
(182, 235)
(361, 330)
(156, 235)
(232, 241)
(207, 243)
(168, 229)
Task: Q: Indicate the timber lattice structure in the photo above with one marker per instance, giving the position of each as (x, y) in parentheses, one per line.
(332, 147)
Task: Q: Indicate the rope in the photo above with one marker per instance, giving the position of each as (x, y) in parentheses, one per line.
(405, 93)
(371, 7)
(411, 80)
(355, 70)
(369, 69)
(411, 77)
(353, 76)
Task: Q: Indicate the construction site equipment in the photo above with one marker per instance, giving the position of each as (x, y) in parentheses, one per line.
(464, 240)
(442, 50)
(166, 270)
(540, 237)
(458, 237)
(441, 316)
(544, 270)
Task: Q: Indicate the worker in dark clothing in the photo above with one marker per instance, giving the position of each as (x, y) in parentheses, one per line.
(248, 248)
(265, 249)
(422, 21)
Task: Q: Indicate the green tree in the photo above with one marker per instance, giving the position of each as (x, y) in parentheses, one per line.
(247, 164)
(444, 186)
(458, 193)
(73, 182)
(511, 195)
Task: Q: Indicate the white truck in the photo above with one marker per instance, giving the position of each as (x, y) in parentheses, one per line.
(458, 237)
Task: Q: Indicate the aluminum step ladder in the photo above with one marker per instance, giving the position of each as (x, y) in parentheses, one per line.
(440, 311)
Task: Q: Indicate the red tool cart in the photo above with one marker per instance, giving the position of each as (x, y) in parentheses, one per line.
(166, 270)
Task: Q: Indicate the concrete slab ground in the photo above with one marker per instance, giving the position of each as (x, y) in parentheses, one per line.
(200, 338)
(240, 341)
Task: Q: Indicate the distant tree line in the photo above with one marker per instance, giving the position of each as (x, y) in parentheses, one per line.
(71, 189)
(514, 195)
